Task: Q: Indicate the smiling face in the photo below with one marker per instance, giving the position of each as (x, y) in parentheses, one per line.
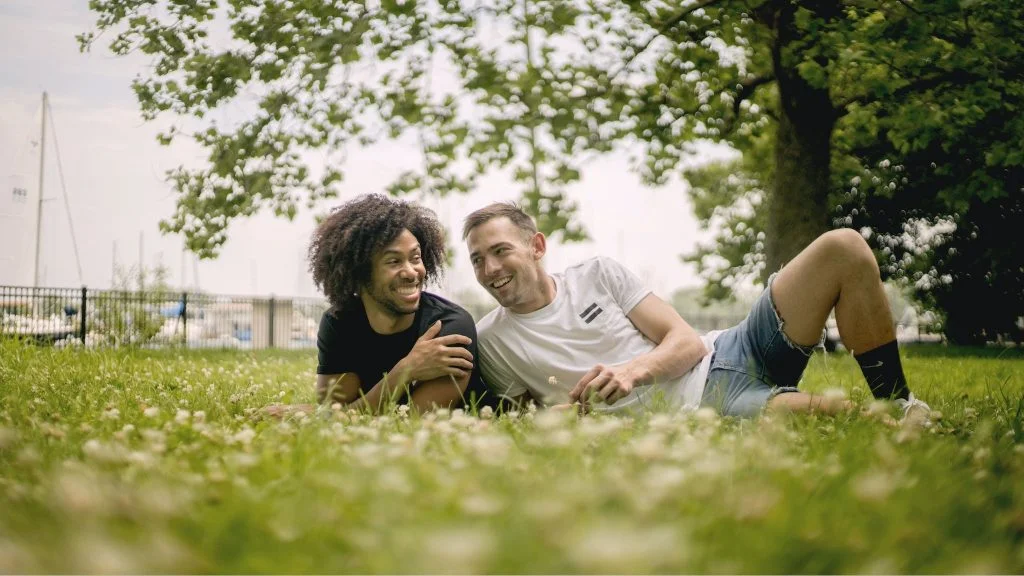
(506, 262)
(396, 281)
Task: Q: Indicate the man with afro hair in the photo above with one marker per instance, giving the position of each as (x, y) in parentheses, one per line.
(384, 339)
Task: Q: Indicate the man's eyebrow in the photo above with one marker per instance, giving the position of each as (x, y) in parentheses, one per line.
(397, 252)
(489, 248)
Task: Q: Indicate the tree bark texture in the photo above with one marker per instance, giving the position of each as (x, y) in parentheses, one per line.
(797, 207)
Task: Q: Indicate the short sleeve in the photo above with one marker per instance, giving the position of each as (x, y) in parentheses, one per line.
(328, 343)
(460, 322)
(626, 288)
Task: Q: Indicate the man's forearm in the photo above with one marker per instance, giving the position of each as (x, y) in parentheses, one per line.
(679, 352)
(390, 386)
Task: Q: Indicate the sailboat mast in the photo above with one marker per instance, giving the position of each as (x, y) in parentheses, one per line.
(39, 212)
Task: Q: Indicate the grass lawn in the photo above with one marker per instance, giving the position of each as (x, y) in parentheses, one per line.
(139, 461)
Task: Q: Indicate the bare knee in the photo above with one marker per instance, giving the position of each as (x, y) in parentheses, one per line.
(848, 247)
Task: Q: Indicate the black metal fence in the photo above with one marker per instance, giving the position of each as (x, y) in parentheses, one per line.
(82, 316)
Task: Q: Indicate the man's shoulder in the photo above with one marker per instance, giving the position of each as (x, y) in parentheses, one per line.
(437, 308)
(442, 306)
(337, 317)
(491, 323)
(592, 266)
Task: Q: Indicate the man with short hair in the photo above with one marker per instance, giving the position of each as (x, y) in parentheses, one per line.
(385, 339)
(595, 334)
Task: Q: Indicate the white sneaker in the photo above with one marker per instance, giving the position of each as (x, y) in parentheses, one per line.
(915, 412)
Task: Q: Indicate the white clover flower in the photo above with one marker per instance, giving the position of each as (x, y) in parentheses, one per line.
(490, 449)
(649, 446)
(243, 437)
(592, 428)
(241, 460)
(457, 550)
(141, 459)
(199, 416)
(552, 419)
(487, 412)
(873, 486)
(111, 414)
(462, 420)
(662, 478)
(103, 452)
(706, 415)
(622, 548)
(559, 438)
(481, 505)
(182, 416)
(151, 412)
(394, 480)
(79, 493)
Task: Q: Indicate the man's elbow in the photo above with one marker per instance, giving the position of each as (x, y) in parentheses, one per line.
(329, 391)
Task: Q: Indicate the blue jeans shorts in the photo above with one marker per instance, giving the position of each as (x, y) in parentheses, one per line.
(754, 361)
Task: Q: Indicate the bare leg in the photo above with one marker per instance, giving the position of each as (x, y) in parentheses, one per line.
(808, 403)
(801, 403)
(837, 271)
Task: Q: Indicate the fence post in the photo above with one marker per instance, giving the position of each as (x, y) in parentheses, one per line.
(184, 319)
(82, 312)
(270, 322)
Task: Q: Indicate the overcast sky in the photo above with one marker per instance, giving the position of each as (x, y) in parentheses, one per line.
(114, 174)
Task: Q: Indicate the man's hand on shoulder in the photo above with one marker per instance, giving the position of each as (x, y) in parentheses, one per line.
(434, 356)
(607, 384)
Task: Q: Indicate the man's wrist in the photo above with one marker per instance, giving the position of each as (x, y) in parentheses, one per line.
(403, 373)
(639, 374)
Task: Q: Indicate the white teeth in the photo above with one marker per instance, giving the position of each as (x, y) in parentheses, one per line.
(502, 282)
(408, 290)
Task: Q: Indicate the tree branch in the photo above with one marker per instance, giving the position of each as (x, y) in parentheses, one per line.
(919, 85)
(662, 29)
(747, 88)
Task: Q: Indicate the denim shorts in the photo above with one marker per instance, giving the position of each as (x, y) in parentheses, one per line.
(754, 361)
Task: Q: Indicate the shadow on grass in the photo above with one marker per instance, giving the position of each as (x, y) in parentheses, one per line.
(947, 351)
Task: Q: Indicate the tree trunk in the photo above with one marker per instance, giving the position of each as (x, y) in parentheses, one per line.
(797, 208)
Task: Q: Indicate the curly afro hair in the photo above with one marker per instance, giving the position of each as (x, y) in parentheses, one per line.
(344, 244)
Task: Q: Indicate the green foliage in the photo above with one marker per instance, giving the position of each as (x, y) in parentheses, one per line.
(812, 94)
(155, 461)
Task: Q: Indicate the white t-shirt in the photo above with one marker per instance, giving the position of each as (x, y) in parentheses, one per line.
(585, 325)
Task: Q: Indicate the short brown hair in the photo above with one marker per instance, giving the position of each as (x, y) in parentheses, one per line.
(509, 210)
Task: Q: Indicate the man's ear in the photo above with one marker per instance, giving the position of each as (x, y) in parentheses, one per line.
(538, 245)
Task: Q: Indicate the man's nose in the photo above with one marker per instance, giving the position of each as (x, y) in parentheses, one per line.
(408, 270)
(491, 266)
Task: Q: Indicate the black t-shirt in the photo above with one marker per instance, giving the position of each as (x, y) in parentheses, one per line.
(347, 343)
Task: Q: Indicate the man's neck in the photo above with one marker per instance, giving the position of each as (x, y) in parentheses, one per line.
(385, 322)
(547, 296)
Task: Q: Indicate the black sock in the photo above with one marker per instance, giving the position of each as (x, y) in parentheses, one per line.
(884, 373)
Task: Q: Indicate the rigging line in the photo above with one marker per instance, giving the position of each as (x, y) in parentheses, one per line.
(28, 144)
(64, 190)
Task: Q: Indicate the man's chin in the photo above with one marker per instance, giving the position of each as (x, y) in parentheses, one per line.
(504, 302)
(401, 308)
(407, 309)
